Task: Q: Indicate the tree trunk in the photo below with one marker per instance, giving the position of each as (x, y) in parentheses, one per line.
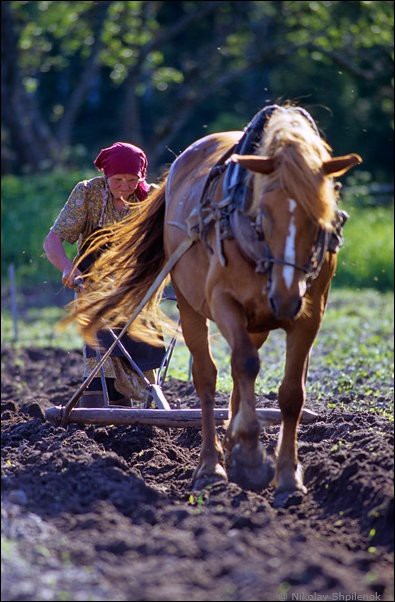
(33, 146)
(131, 122)
(98, 16)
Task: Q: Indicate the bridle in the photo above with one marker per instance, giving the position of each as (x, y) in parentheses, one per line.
(250, 237)
(229, 216)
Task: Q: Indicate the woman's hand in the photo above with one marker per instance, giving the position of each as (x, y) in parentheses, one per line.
(70, 275)
(53, 247)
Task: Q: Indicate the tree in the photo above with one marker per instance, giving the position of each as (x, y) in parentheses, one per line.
(155, 72)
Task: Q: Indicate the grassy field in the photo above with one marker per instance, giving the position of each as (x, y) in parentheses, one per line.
(351, 362)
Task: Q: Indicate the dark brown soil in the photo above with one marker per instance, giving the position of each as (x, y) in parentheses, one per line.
(98, 513)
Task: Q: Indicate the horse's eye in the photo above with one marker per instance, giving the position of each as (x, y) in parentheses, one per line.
(266, 216)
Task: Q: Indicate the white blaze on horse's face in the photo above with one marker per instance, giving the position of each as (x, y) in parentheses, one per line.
(289, 251)
(290, 235)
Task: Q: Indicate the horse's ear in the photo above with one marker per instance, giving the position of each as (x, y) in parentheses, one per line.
(337, 166)
(263, 165)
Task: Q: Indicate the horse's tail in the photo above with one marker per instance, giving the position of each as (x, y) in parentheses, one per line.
(122, 275)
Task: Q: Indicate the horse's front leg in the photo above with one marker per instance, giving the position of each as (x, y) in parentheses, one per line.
(234, 402)
(291, 397)
(246, 459)
(204, 372)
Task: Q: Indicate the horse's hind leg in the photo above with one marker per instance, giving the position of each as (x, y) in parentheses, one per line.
(204, 372)
(246, 459)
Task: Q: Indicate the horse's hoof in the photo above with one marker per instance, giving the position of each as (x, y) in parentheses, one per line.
(285, 499)
(256, 477)
(289, 482)
(200, 481)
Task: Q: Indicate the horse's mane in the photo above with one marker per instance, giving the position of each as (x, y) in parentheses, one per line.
(299, 152)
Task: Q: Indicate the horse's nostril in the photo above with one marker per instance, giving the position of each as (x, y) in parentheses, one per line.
(287, 310)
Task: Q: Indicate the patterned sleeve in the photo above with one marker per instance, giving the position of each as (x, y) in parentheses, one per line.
(72, 219)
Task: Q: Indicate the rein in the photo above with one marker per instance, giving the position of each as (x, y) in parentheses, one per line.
(229, 215)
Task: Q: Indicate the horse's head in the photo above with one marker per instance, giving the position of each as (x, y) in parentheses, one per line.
(294, 193)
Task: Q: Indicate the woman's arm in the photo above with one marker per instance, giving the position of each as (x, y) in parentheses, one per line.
(53, 247)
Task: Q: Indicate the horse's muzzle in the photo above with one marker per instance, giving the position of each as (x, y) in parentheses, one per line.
(285, 309)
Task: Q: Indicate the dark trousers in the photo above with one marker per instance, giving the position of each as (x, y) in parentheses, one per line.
(113, 394)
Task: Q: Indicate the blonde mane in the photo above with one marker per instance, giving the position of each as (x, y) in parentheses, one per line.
(299, 153)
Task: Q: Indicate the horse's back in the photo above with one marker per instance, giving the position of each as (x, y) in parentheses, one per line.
(184, 190)
(188, 173)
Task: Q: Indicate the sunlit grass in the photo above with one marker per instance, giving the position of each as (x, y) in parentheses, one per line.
(39, 327)
(367, 257)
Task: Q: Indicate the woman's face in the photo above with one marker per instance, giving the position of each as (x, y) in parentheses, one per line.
(122, 185)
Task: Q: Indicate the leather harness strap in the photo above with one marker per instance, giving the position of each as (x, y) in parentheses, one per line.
(229, 217)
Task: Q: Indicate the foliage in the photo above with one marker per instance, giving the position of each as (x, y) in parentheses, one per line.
(79, 75)
(28, 209)
(367, 257)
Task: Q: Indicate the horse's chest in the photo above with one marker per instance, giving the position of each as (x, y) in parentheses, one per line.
(258, 314)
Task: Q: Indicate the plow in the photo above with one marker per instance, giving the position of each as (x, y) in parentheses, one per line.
(162, 415)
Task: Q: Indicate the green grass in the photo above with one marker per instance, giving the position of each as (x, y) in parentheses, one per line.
(39, 327)
(367, 256)
(28, 209)
(353, 356)
(351, 364)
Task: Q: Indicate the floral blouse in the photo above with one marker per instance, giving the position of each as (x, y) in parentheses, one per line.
(88, 207)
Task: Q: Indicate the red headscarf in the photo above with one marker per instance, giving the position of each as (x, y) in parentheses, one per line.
(122, 157)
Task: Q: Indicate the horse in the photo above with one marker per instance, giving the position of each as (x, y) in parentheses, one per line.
(264, 226)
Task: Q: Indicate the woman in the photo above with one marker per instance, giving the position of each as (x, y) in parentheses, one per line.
(92, 205)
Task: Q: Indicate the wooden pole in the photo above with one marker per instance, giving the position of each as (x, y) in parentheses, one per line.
(162, 418)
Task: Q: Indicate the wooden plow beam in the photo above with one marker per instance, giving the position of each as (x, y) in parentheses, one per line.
(161, 418)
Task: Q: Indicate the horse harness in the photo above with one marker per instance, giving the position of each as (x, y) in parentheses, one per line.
(229, 216)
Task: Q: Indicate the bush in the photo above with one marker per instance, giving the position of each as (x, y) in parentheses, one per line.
(29, 207)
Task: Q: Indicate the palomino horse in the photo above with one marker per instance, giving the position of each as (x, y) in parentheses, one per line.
(267, 229)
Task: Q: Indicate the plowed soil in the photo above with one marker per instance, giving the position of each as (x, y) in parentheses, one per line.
(108, 513)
